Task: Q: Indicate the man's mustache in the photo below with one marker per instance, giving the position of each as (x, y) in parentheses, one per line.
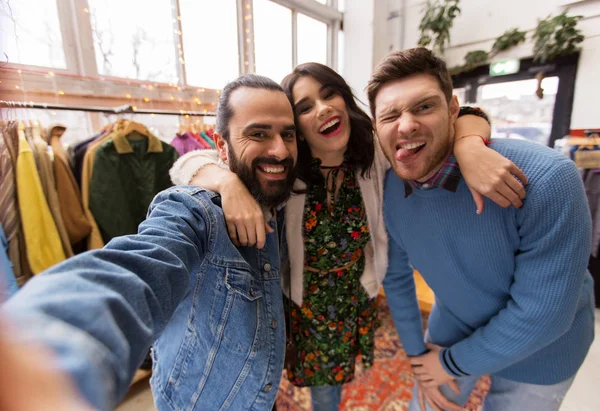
(286, 162)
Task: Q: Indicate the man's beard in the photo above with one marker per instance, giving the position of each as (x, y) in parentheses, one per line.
(277, 192)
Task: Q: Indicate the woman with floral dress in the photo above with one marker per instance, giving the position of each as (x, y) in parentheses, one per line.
(337, 243)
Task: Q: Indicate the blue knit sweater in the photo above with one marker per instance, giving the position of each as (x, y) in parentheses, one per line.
(513, 295)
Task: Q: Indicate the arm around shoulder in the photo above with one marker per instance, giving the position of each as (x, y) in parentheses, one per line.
(187, 166)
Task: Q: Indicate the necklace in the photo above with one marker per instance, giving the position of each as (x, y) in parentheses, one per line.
(330, 167)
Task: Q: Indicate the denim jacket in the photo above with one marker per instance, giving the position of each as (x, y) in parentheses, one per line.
(214, 312)
(8, 283)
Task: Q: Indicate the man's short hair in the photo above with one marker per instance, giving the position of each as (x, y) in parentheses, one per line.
(402, 64)
(224, 109)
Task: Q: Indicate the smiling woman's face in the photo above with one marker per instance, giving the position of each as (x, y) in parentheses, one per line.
(322, 117)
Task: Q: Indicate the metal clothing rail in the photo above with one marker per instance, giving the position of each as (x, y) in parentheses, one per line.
(126, 109)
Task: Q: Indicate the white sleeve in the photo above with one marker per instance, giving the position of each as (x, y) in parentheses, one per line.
(186, 167)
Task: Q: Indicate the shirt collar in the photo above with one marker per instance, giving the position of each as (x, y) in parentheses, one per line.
(122, 144)
(447, 178)
(271, 213)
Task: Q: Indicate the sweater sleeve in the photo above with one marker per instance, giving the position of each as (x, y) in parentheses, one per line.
(550, 267)
(186, 167)
(400, 291)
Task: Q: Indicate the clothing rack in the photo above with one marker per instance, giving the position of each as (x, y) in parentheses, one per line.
(126, 109)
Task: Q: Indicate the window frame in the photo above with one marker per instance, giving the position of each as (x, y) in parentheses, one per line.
(564, 67)
(327, 14)
(82, 84)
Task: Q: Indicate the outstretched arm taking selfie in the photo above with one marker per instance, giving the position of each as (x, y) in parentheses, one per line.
(99, 312)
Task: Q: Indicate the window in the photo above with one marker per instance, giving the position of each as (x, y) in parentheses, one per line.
(30, 33)
(272, 39)
(312, 40)
(115, 52)
(516, 111)
(135, 40)
(313, 28)
(210, 42)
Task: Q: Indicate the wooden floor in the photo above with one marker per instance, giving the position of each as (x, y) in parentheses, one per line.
(140, 375)
(424, 294)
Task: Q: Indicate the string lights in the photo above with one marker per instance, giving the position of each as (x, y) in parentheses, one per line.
(186, 96)
(247, 26)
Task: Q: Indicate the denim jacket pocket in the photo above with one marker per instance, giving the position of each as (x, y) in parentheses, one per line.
(243, 283)
(238, 310)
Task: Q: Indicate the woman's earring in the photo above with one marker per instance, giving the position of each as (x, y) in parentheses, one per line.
(300, 137)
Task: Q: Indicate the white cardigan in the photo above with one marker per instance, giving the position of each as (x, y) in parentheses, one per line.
(376, 260)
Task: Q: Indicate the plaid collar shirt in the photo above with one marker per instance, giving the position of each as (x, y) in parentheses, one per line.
(446, 178)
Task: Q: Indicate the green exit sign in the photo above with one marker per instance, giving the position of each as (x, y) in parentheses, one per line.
(502, 68)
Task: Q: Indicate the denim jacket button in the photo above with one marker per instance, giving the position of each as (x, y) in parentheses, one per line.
(274, 323)
(267, 267)
(268, 387)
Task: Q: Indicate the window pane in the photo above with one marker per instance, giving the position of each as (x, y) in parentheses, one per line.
(272, 39)
(312, 40)
(201, 20)
(134, 39)
(322, 1)
(342, 5)
(516, 111)
(30, 33)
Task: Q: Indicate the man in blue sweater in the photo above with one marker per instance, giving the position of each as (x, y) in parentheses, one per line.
(513, 296)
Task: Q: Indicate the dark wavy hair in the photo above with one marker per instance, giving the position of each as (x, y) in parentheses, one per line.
(360, 152)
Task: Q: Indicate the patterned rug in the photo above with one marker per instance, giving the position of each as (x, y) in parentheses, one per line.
(386, 386)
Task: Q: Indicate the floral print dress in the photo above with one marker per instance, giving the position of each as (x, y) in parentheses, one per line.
(337, 319)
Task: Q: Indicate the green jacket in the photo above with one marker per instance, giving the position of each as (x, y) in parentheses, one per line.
(128, 172)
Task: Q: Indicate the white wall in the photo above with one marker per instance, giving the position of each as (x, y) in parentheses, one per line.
(586, 111)
(358, 45)
(482, 21)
